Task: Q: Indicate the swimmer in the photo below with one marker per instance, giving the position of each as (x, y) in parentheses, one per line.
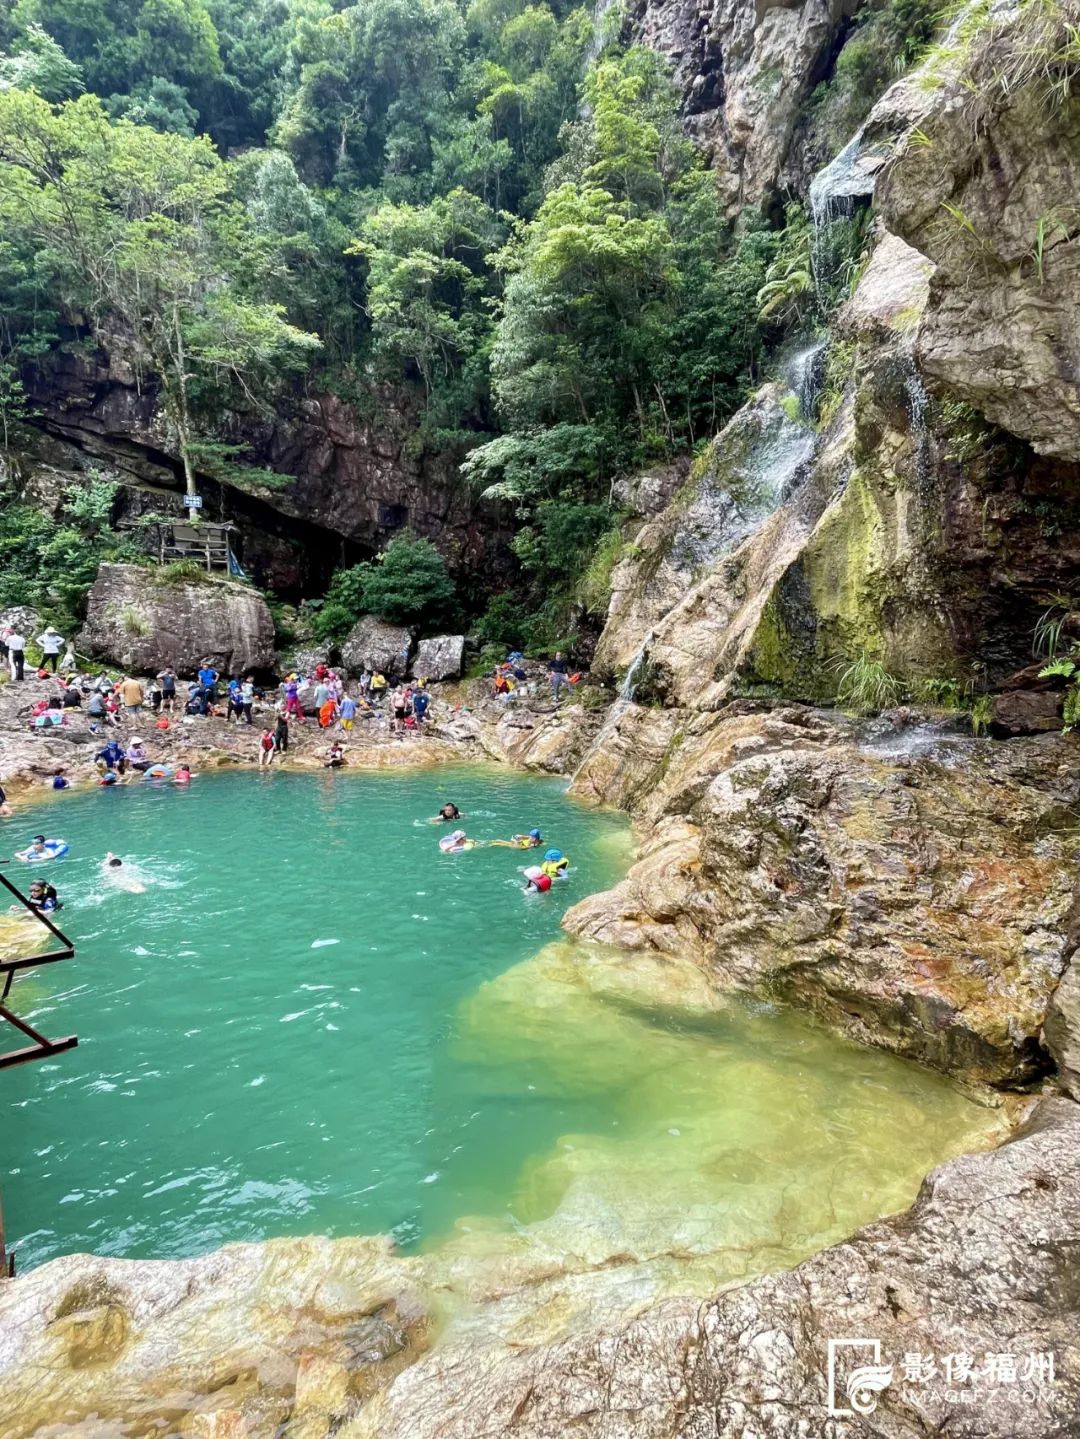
(448, 813)
(43, 897)
(555, 864)
(112, 870)
(455, 843)
(42, 849)
(182, 775)
(536, 880)
(520, 841)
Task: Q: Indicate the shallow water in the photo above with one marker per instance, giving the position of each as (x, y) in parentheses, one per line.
(314, 1021)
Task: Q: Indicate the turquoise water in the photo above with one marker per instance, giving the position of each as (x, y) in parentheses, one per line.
(311, 1020)
(260, 1032)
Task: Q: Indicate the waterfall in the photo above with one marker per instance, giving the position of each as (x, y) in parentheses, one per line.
(917, 401)
(803, 375)
(597, 40)
(629, 684)
(833, 193)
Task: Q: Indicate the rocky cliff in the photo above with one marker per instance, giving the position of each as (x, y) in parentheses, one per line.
(745, 71)
(349, 480)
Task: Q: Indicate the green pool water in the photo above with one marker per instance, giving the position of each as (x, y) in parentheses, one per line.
(314, 1021)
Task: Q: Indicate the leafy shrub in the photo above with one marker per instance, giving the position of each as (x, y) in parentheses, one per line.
(408, 584)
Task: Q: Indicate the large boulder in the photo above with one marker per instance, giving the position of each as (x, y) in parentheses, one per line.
(439, 658)
(22, 618)
(373, 644)
(141, 618)
(892, 883)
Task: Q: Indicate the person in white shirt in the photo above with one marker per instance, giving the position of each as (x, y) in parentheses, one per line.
(16, 644)
(51, 642)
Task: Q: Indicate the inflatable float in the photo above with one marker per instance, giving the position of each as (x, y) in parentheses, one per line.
(158, 771)
(52, 849)
(456, 843)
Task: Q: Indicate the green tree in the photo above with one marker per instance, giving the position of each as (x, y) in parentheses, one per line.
(38, 63)
(139, 236)
(408, 584)
(428, 273)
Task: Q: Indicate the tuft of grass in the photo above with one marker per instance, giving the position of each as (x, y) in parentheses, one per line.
(981, 715)
(865, 686)
(1046, 636)
(134, 622)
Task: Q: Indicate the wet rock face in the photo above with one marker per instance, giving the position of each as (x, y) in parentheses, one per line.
(734, 486)
(912, 891)
(987, 192)
(374, 645)
(136, 621)
(744, 71)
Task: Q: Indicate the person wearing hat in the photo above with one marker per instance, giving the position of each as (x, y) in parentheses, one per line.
(50, 642)
(555, 864)
(137, 757)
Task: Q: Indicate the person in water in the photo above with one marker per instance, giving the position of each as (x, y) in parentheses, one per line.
(537, 881)
(112, 869)
(182, 775)
(35, 849)
(43, 897)
(555, 864)
(448, 812)
(58, 780)
(455, 843)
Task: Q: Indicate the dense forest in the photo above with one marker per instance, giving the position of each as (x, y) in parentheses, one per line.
(494, 205)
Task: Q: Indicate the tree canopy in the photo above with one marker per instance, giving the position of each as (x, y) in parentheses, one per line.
(493, 206)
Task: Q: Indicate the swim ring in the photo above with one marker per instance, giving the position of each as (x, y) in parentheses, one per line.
(54, 849)
(159, 771)
(455, 843)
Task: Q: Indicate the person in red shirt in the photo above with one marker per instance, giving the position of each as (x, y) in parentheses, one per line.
(536, 879)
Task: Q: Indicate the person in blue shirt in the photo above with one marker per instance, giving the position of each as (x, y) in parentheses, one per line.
(208, 678)
(420, 701)
(113, 756)
(235, 704)
(58, 780)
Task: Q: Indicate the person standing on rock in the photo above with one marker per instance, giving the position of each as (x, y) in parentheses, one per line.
(557, 670)
(131, 695)
(208, 677)
(247, 698)
(281, 734)
(267, 749)
(16, 644)
(50, 642)
(167, 676)
(293, 706)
